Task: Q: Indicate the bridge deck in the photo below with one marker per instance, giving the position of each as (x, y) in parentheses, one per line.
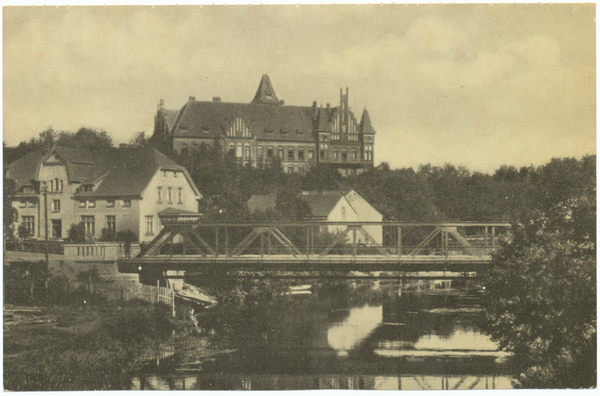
(303, 263)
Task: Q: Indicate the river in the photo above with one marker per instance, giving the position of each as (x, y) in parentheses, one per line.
(405, 334)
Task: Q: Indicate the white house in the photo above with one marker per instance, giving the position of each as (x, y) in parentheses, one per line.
(332, 206)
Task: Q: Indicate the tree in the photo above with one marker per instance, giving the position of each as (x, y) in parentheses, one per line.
(107, 235)
(10, 214)
(541, 300)
(126, 236)
(140, 140)
(76, 233)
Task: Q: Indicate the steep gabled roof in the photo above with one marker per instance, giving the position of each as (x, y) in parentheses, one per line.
(115, 171)
(212, 119)
(25, 169)
(133, 173)
(265, 93)
(321, 205)
(365, 123)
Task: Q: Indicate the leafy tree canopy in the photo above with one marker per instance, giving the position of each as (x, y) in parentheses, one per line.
(542, 296)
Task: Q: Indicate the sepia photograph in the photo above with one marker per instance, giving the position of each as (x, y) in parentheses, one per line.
(299, 197)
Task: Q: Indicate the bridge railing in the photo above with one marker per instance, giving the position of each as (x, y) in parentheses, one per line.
(321, 239)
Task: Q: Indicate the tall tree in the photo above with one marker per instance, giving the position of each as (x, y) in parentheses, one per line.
(541, 300)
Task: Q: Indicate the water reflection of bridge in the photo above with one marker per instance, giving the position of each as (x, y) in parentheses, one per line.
(186, 244)
(406, 343)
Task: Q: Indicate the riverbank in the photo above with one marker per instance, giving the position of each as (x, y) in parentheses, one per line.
(82, 348)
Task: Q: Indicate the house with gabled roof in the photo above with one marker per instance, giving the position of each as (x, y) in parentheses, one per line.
(117, 189)
(265, 129)
(331, 206)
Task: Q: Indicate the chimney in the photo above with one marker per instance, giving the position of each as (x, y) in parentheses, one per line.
(192, 98)
(216, 98)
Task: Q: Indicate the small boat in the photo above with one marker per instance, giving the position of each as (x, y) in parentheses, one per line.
(193, 294)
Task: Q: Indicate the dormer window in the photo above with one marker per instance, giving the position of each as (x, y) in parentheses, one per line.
(268, 132)
(284, 133)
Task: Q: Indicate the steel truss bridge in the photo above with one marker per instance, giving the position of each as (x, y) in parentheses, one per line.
(187, 244)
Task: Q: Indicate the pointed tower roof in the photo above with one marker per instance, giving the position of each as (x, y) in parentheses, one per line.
(365, 123)
(265, 93)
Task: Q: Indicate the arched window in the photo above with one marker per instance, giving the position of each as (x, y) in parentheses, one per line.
(231, 148)
(247, 151)
(238, 151)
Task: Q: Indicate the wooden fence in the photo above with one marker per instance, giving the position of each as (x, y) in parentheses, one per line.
(124, 292)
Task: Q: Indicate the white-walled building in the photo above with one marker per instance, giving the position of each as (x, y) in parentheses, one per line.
(332, 206)
(117, 189)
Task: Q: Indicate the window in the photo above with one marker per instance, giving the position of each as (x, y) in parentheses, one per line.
(270, 152)
(110, 203)
(159, 191)
(291, 169)
(238, 151)
(369, 152)
(56, 205)
(343, 213)
(344, 156)
(231, 149)
(335, 155)
(290, 155)
(23, 204)
(280, 153)
(354, 156)
(311, 154)
(56, 184)
(300, 154)
(61, 185)
(175, 174)
(51, 185)
(82, 204)
(247, 152)
(180, 195)
(88, 222)
(301, 169)
(170, 194)
(127, 203)
(91, 204)
(184, 149)
(149, 225)
(111, 223)
(164, 173)
(259, 152)
(29, 223)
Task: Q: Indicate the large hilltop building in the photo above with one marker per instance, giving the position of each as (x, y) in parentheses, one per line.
(264, 129)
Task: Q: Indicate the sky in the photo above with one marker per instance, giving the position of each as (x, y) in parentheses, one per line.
(473, 85)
